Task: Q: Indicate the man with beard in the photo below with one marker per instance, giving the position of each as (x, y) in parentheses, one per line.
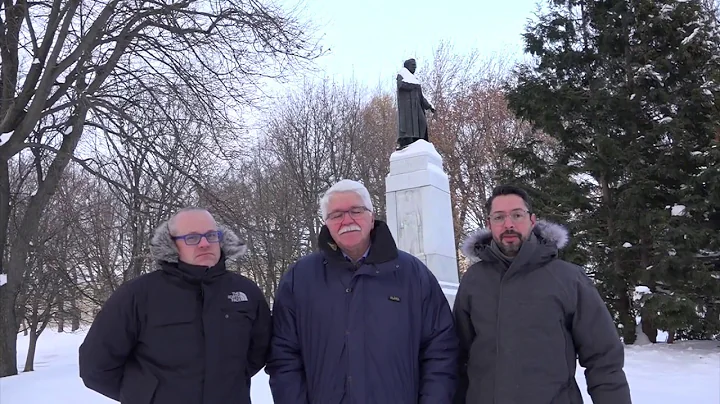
(360, 321)
(190, 332)
(524, 316)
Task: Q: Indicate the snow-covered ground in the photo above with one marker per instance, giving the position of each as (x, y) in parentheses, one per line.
(683, 372)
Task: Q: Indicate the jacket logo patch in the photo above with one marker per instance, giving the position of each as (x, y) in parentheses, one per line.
(237, 297)
(394, 299)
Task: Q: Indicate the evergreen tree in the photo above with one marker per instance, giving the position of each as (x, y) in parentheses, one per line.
(555, 198)
(626, 90)
(676, 61)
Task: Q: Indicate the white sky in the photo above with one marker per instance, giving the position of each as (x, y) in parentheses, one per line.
(370, 39)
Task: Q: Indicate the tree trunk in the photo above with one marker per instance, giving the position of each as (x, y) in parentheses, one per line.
(30, 360)
(626, 318)
(648, 327)
(20, 249)
(136, 220)
(671, 336)
(61, 314)
(74, 292)
(75, 313)
(647, 320)
(8, 330)
(8, 321)
(624, 303)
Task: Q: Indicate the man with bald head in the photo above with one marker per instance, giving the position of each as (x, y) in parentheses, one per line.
(190, 332)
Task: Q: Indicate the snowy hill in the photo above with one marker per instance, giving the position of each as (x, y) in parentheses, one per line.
(658, 374)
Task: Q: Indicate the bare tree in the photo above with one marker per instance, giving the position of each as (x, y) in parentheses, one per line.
(713, 6)
(471, 129)
(39, 298)
(265, 208)
(169, 152)
(377, 143)
(69, 298)
(22, 187)
(313, 136)
(43, 286)
(75, 60)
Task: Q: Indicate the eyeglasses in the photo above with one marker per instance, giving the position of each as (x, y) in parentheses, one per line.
(516, 216)
(194, 238)
(355, 213)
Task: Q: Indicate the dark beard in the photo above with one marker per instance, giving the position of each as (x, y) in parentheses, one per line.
(512, 249)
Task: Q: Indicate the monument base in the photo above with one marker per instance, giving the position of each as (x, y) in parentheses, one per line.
(419, 211)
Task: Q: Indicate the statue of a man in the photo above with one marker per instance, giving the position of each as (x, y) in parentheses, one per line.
(412, 124)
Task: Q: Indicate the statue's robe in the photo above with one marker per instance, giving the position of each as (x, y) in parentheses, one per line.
(412, 123)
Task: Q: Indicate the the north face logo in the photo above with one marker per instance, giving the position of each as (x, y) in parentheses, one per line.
(237, 297)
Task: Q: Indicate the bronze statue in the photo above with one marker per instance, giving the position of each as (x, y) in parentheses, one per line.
(412, 123)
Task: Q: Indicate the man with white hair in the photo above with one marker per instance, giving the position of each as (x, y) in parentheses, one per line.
(360, 321)
(189, 332)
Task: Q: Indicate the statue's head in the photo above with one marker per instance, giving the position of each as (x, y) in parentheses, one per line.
(411, 65)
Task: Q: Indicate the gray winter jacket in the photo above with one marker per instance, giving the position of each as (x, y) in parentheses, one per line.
(521, 328)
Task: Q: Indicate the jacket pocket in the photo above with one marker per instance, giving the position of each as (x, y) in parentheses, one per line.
(173, 339)
(138, 386)
(237, 325)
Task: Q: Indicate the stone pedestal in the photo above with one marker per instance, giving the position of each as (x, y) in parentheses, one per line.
(419, 211)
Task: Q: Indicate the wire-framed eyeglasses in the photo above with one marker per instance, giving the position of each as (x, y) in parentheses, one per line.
(516, 216)
(355, 212)
(214, 236)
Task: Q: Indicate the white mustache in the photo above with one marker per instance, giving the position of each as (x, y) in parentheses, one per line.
(351, 227)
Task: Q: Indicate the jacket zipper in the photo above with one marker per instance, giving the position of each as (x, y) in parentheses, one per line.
(202, 326)
(497, 333)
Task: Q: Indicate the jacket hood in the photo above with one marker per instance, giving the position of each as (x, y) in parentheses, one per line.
(548, 233)
(162, 246)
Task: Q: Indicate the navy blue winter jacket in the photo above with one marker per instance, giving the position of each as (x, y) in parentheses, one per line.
(379, 332)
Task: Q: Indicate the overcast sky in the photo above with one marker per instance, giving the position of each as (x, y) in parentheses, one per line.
(369, 39)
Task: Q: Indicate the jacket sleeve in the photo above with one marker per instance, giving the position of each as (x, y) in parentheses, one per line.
(285, 365)
(259, 337)
(600, 350)
(109, 342)
(439, 346)
(466, 336)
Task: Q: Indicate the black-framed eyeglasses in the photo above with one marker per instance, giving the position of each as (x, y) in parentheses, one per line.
(213, 236)
(516, 216)
(355, 212)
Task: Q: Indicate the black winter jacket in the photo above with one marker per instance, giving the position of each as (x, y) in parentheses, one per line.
(522, 328)
(179, 335)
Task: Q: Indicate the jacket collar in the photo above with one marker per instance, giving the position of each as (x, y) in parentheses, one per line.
(551, 237)
(382, 245)
(194, 274)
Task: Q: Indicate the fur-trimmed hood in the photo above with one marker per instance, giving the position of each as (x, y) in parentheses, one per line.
(546, 232)
(162, 246)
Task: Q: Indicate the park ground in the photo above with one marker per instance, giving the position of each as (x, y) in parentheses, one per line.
(658, 373)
